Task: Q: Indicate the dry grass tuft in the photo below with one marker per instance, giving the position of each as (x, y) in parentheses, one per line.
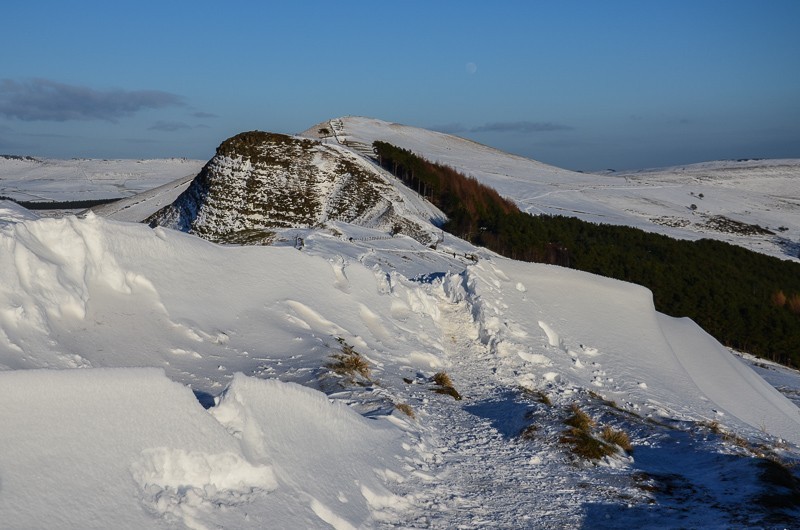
(445, 385)
(588, 446)
(713, 426)
(608, 402)
(579, 419)
(616, 437)
(406, 409)
(585, 445)
(538, 395)
(348, 362)
(448, 390)
(442, 379)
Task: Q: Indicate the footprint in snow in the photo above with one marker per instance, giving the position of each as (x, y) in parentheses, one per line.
(552, 337)
(589, 350)
(181, 351)
(341, 282)
(500, 274)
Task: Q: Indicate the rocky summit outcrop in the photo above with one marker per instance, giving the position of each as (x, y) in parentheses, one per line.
(259, 183)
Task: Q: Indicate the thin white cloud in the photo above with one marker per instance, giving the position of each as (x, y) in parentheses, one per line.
(449, 128)
(521, 127)
(172, 126)
(169, 126)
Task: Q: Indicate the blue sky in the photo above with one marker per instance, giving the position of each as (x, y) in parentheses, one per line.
(580, 84)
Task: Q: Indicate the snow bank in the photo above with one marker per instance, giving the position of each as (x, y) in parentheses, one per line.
(11, 212)
(605, 335)
(74, 443)
(326, 451)
(89, 292)
(127, 448)
(734, 388)
(48, 268)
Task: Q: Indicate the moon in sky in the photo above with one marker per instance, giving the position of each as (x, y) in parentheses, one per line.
(472, 68)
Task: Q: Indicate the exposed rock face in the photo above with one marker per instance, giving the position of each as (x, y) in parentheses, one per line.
(261, 182)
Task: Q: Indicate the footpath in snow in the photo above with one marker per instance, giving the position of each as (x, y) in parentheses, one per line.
(157, 319)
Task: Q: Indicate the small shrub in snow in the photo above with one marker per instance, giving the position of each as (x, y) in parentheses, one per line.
(406, 409)
(585, 445)
(616, 437)
(445, 385)
(349, 362)
(579, 419)
(538, 395)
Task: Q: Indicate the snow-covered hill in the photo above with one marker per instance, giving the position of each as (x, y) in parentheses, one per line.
(328, 369)
(752, 203)
(259, 183)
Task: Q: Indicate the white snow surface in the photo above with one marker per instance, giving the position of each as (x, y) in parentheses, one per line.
(128, 448)
(138, 207)
(765, 193)
(12, 212)
(149, 313)
(45, 179)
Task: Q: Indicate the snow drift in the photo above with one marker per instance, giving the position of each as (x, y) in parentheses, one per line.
(92, 293)
(131, 447)
(127, 448)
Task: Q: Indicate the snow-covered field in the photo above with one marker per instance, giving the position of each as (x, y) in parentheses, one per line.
(46, 180)
(730, 198)
(156, 380)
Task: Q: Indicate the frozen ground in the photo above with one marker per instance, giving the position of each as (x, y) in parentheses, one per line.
(150, 314)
